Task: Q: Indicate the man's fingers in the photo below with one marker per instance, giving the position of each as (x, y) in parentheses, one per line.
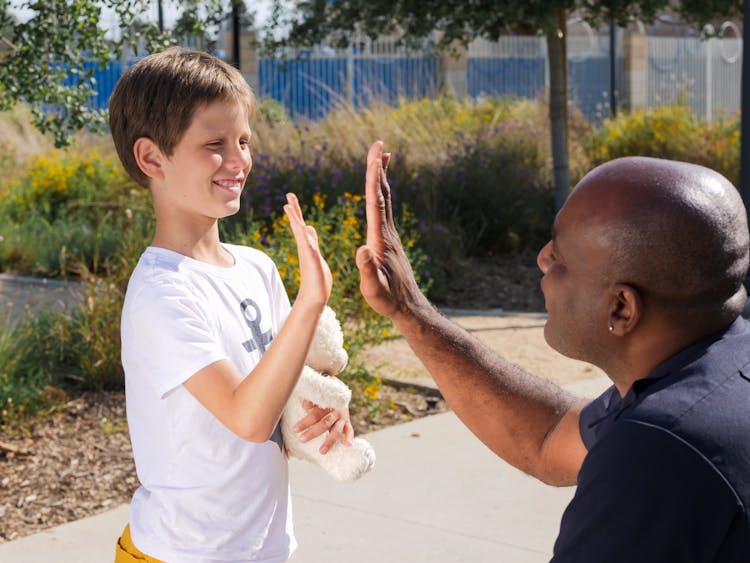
(385, 194)
(374, 203)
(364, 258)
(369, 282)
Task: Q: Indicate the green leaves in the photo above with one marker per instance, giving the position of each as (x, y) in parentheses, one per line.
(48, 60)
(311, 21)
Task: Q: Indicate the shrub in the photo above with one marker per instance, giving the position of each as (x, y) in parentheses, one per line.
(672, 132)
(272, 111)
(26, 366)
(78, 347)
(437, 147)
(19, 139)
(66, 208)
(340, 226)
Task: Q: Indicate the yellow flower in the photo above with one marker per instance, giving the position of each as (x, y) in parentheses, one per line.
(373, 390)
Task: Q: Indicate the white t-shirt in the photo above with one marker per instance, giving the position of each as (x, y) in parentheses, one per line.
(206, 495)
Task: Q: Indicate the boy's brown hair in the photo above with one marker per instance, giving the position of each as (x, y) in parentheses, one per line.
(157, 98)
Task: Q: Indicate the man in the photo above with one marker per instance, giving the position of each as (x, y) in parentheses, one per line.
(643, 278)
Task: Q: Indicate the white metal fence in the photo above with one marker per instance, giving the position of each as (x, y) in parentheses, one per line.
(704, 74)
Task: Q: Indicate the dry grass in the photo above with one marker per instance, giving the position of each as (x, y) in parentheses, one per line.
(18, 137)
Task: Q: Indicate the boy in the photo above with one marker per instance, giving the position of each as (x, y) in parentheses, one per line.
(204, 386)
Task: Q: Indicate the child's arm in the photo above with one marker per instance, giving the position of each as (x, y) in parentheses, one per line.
(251, 406)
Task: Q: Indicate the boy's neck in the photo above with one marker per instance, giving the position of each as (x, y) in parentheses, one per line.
(202, 246)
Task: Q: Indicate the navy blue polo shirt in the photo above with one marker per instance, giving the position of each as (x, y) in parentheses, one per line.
(667, 475)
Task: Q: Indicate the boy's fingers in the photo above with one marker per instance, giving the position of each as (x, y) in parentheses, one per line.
(312, 233)
(293, 210)
(292, 200)
(335, 434)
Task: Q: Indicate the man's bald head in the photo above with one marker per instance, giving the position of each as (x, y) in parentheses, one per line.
(675, 231)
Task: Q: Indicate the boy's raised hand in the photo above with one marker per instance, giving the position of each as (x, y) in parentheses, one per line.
(386, 278)
(315, 275)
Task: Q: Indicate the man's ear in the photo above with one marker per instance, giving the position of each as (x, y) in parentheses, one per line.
(625, 309)
(149, 157)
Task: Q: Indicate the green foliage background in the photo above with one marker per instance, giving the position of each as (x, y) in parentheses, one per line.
(468, 179)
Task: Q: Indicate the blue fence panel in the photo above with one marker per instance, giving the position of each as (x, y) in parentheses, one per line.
(495, 76)
(589, 88)
(312, 87)
(307, 87)
(388, 79)
(105, 79)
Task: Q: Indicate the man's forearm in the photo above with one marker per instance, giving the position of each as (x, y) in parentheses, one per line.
(511, 411)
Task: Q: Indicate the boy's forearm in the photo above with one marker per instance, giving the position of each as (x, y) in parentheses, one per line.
(260, 398)
(511, 411)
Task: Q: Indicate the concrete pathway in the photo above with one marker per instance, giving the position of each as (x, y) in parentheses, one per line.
(20, 293)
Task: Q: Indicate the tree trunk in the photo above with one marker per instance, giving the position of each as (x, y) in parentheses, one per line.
(558, 105)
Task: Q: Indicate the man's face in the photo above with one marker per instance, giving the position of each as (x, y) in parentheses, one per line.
(575, 264)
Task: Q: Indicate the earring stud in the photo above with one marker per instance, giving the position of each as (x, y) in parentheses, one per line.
(611, 328)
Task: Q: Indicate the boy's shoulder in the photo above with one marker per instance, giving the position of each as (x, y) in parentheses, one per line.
(157, 276)
(159, 265)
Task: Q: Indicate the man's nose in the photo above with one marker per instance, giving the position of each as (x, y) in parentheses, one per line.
(543, 258)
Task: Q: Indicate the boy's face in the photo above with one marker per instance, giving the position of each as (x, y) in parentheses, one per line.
(205, 175)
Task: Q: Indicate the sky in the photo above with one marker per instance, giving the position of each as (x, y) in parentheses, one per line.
(260, 7)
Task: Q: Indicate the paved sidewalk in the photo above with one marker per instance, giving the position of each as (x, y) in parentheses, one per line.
(436, 493)
(19, 293)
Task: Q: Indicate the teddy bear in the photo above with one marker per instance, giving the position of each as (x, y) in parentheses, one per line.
(326, 358)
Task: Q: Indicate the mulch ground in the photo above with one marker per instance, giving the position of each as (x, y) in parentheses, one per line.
(76, 461)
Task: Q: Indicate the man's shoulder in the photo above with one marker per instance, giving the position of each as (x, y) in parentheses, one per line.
(707, 413)
(644, 481)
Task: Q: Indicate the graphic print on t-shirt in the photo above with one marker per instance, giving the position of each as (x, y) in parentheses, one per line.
(260, 340)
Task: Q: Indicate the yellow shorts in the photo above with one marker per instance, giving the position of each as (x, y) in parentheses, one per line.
(126, 552)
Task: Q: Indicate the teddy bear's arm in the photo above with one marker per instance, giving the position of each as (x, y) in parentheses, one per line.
(326, 392)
